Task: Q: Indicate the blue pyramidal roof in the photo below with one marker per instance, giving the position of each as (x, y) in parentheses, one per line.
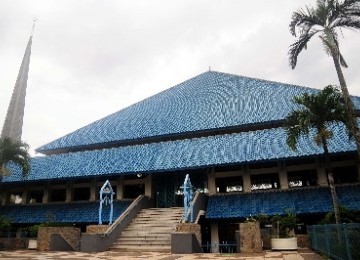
(212, 101)
(209, 101)
(244, 147)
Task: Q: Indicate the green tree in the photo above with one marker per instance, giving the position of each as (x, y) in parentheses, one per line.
(347, 216)
(316, 111)
(16, 152)
(326, 19)
(5, 223)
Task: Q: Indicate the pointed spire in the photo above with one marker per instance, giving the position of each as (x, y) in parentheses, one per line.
(14, 118)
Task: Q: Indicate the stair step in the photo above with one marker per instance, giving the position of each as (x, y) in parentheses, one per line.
(147, 216)
(150, 230)
(158, 222)
(146, 238)
(146, 224)
(142, 242)
(145, 234)
(147, 248)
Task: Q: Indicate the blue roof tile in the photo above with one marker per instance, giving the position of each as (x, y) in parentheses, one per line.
(209, 101)
(349, 196)
(245, 147)
(312, 200)
(77, 212)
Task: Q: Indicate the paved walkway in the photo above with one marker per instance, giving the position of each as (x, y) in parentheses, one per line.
(303, 254)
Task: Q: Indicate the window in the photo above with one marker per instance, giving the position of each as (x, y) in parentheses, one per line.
(15, 198)
(35, 196)
(346, 174)
(58, 195)
(132, 191)
(229, 184)
(82, 194)
(264, 181)
(302, 178)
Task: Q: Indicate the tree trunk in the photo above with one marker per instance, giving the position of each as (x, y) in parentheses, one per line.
(331, 182)
(349, 106)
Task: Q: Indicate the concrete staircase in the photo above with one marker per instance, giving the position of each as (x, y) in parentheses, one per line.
(149, 231)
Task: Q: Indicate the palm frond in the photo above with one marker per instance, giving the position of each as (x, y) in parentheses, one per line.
(3, 171)
(322, 10)
(346, 22)
(348, 8)
(346, 15)
(16, 152)
(296, 124)
(305, 20)
(298, 46)
(327, 16)
(317, 109)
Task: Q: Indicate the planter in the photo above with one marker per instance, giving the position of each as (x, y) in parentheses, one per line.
(32, 244)
(250, 238)
(284, 243)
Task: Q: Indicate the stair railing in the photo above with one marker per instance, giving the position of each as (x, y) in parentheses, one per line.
(102, 242)
(199, 205)
(124, 215)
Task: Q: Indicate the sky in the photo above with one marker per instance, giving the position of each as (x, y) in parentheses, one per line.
(92, 58)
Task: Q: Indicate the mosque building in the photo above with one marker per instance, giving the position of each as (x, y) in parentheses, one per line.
(225, 131)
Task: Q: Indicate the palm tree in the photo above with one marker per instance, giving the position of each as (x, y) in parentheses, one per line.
(16, 152)
(315, 113)
(326, 20)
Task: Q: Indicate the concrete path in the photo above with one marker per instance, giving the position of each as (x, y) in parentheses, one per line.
(303, 254)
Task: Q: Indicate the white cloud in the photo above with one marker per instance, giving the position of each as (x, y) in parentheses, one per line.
(91, 58)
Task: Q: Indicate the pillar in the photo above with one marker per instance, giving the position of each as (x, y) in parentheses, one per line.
(69, 193)
(24, 195)
(357, 167)
(211, 182)
(46, 194)
(214, 237)
(119, 193)
(93, 190)
(321, 173)
(247, 180)
(148, 186)
(283, 178)
(3, 196)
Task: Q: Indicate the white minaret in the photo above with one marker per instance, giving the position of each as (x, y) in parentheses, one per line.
(14, 118)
